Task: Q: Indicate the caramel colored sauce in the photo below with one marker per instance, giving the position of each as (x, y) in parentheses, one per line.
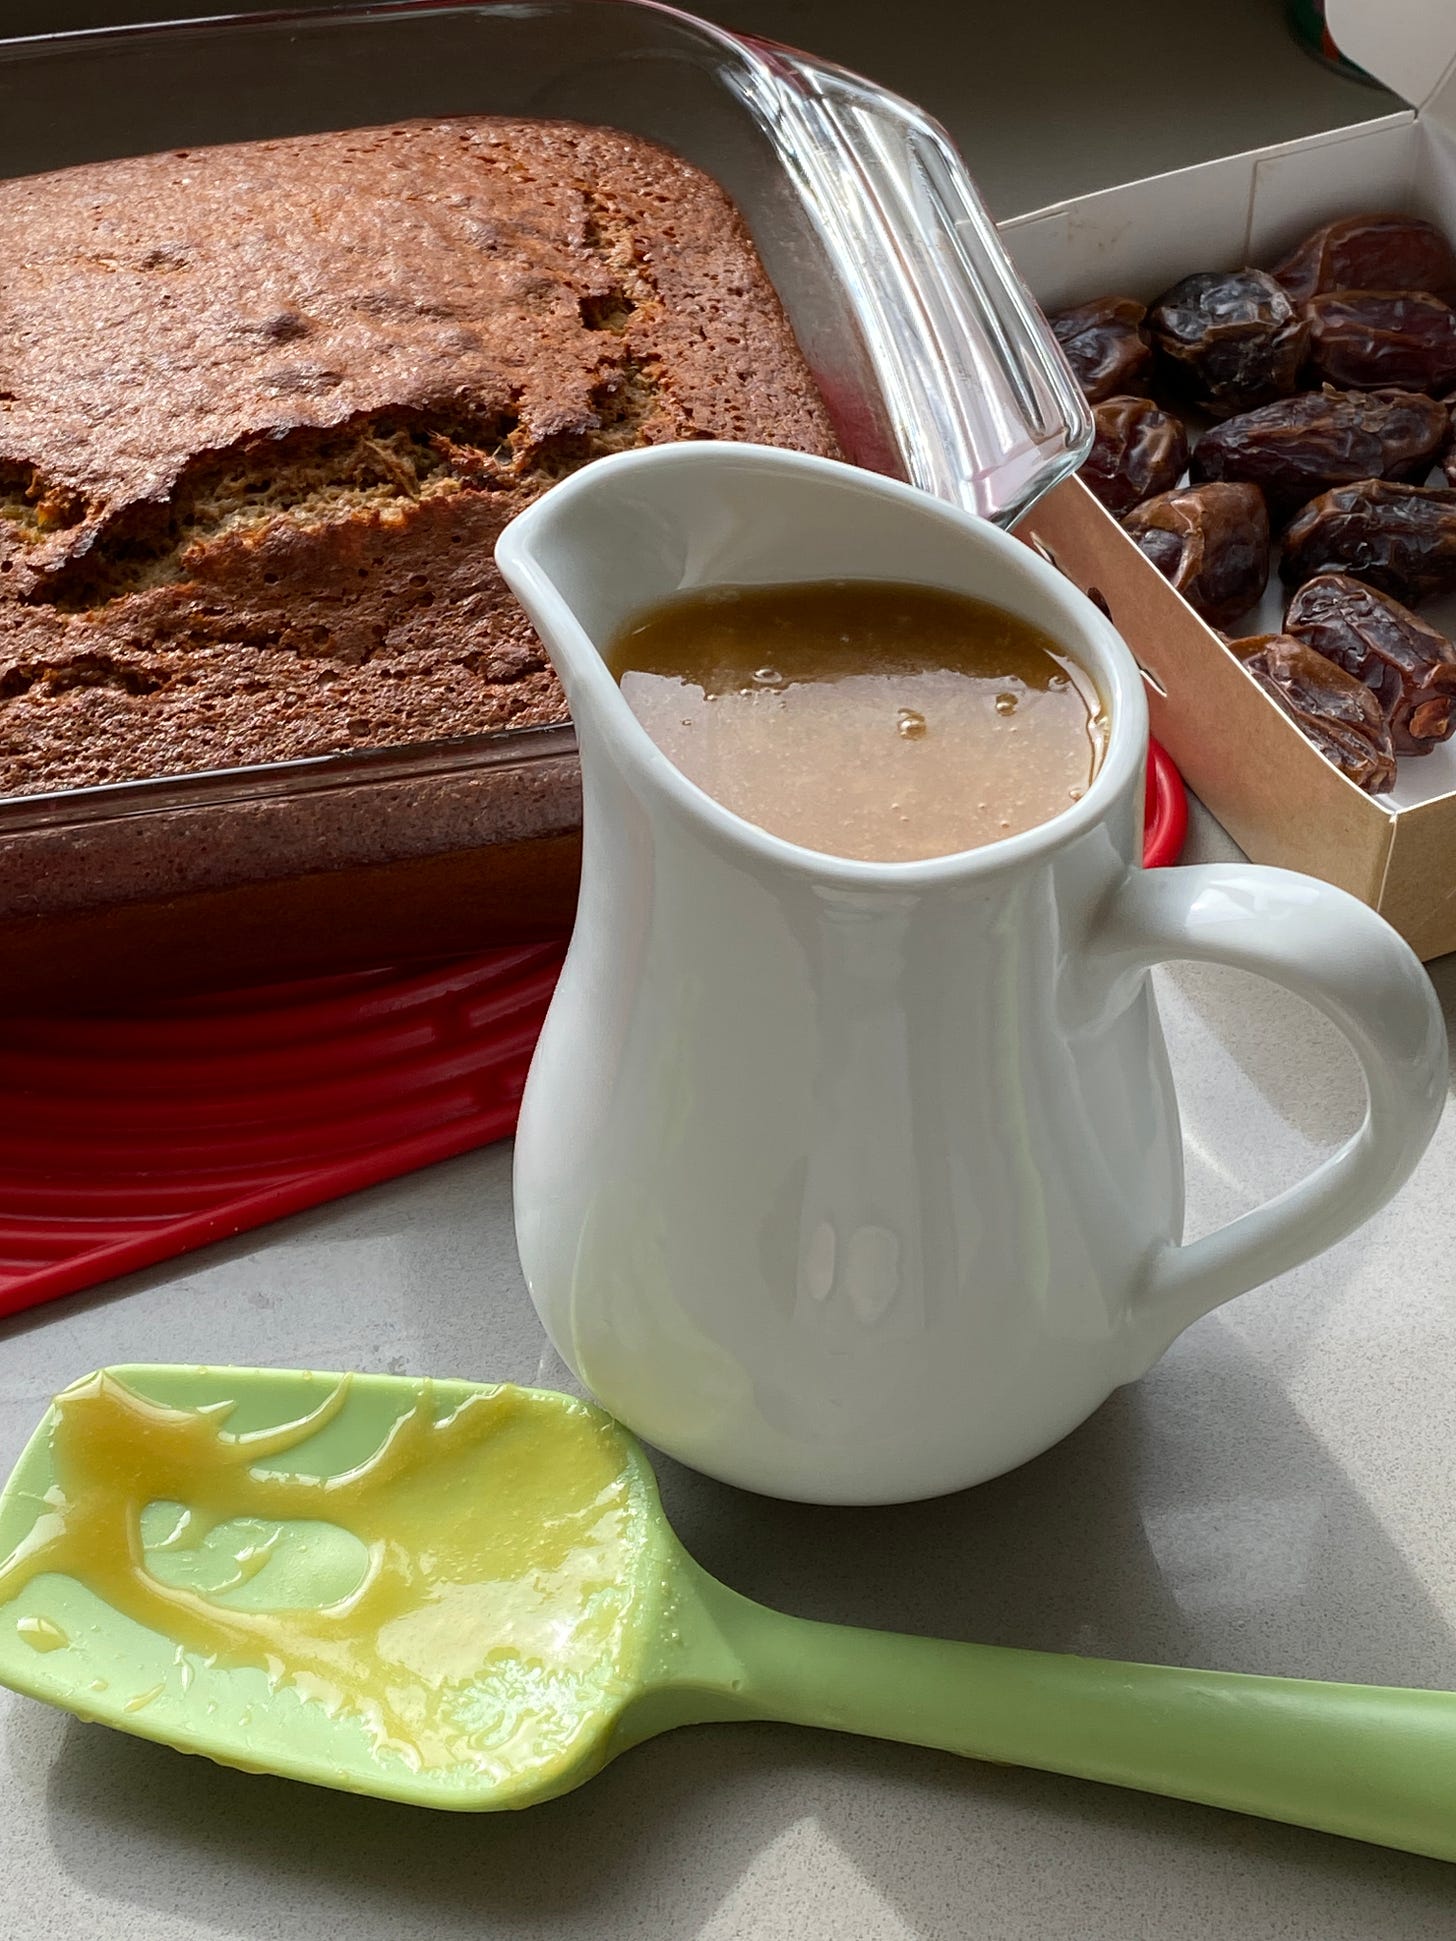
(41, 1634)
(867, 719)
(496, 1586)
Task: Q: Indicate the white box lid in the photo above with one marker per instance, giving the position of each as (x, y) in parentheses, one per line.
(1410, 45)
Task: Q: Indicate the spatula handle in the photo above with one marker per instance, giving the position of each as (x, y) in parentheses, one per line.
(1370, 1762)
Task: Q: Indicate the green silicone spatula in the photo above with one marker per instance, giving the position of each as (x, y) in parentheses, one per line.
(282, 1571)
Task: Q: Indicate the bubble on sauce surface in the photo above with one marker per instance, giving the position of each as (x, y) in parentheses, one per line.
(911, 724)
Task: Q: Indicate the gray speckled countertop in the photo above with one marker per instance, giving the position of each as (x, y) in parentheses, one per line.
(1275, 1496)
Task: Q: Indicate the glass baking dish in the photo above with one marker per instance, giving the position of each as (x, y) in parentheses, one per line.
(932, 359)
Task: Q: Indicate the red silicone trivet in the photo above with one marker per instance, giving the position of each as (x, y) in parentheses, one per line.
(1165, 820)
(130, 1138)
(127, 1138)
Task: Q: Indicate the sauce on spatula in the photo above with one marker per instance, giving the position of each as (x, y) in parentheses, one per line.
(494, 1544)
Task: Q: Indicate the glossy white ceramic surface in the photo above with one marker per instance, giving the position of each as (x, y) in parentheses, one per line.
(858, 1183)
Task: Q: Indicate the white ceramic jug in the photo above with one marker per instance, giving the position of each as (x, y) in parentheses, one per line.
(860, 1182)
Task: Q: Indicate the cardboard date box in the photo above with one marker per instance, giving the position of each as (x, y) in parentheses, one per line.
(1279, 799)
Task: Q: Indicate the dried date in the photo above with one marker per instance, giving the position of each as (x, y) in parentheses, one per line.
(1139, 449)
(1400, 538)
(1335, 711)
(1373, 252)
(1107, 346)
(1408, 666)
(1211, 541)
(1372, 340)
(1296, 447)
(1228, 340)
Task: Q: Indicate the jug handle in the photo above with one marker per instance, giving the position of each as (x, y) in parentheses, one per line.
(1346, 961)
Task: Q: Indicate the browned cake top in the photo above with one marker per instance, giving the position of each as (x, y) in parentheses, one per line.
(263, 409)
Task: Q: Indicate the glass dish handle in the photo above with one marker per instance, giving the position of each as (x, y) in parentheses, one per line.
(959, 342)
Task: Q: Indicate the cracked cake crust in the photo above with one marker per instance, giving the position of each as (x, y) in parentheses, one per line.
(265, 409)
